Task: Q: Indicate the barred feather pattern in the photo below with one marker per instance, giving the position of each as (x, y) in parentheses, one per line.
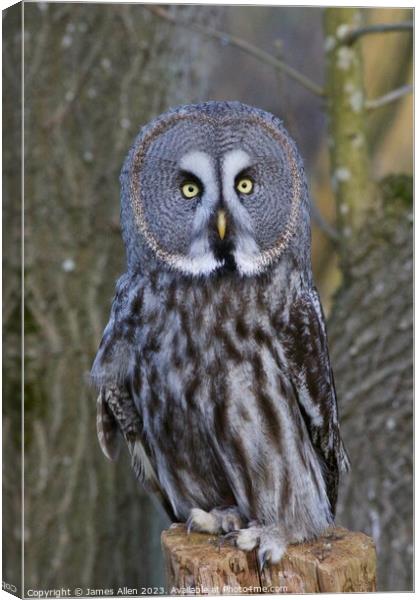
(117, 414)
(228, 388)
(214, 364)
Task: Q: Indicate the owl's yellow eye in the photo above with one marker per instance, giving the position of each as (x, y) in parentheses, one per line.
(190, 189)
(244, 185)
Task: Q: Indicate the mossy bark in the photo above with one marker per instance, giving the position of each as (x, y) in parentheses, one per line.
(348, 148)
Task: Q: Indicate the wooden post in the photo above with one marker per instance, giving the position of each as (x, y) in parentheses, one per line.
(339, 561)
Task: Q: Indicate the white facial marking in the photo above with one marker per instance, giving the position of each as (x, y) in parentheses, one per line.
(201, 165)
(246, 250)
(200, 259)
(198, 265)
(234, 162)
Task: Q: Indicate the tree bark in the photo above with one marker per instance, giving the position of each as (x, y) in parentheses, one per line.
(370, 332)
(12, 302)
(347, 141)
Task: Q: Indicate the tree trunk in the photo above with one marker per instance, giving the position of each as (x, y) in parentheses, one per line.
(93, 75)
(371, 343)
(12, 307)
(347, 141)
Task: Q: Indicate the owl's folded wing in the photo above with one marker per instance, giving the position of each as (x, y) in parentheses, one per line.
(107, 428)
(116, 412)
(313, 381)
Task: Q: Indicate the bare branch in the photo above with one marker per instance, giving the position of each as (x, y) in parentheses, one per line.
(230, 40)
(355, 34)
(389, 97)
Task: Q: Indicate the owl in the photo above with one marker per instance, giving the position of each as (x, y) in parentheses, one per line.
(214, 364)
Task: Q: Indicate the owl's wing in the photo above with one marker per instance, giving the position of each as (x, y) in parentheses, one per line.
(116, 412)
(107, 428)
(313, 381)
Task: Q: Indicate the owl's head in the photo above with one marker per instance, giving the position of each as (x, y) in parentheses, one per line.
(214, 186)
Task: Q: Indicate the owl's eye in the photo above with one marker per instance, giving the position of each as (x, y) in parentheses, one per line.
(244, 185)
(190, 189)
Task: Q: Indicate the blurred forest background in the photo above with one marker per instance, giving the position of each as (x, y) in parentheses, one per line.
(93, 75)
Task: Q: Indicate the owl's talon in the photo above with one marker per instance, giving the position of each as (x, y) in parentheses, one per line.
(229, 518)
(269, 539)
(232, 535)
(218, 520)
(200, 520)
(262, 558)
(229, 525)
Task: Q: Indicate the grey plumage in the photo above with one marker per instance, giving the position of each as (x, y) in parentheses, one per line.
(214, 363)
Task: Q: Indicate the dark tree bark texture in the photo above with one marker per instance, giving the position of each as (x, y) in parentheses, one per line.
(12, 305)
(371, 340)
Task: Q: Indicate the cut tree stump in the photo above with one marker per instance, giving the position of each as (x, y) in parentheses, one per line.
(198, 563)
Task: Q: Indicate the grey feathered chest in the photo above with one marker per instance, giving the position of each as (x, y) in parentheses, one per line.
(209, 373)
(204, 370)
(214, 364)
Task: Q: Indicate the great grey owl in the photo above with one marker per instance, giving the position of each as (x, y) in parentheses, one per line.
(214, 364)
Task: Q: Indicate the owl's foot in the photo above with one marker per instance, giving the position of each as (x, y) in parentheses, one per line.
(269, 539)
(218, 520)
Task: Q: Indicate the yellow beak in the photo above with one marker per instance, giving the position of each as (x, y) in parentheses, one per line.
(221, 223)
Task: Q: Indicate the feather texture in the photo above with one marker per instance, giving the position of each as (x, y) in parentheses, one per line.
(214, 364)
